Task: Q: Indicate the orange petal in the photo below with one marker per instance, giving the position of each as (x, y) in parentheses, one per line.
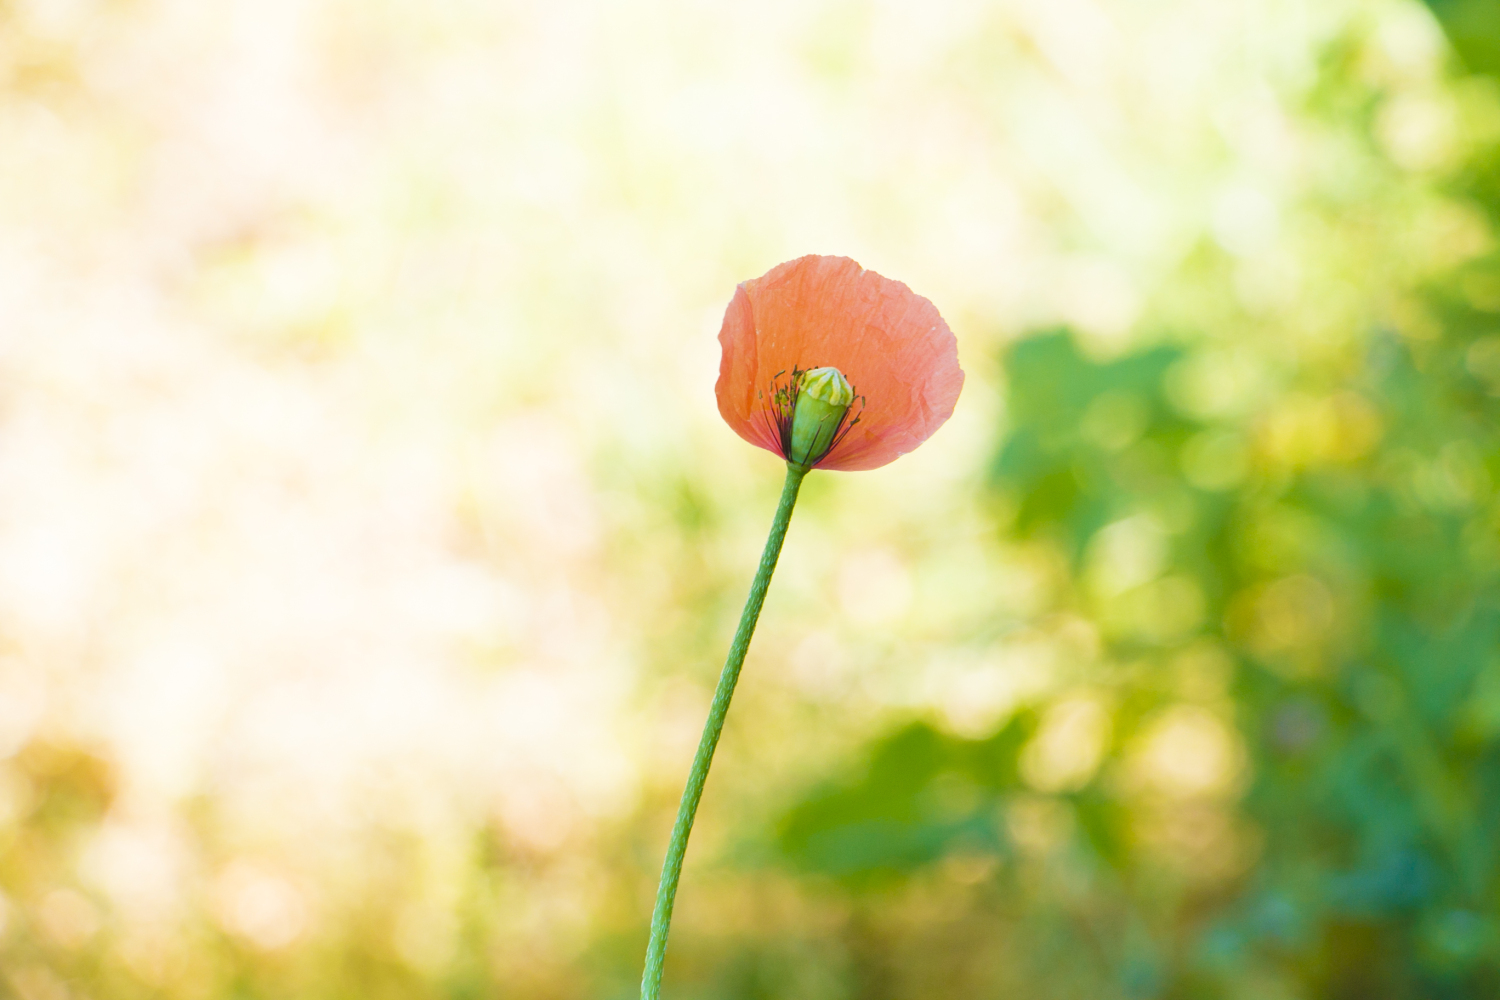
(889, 342)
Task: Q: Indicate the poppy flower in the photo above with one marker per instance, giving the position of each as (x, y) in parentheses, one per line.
(791, 331)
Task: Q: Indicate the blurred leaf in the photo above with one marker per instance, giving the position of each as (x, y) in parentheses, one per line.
(921, 795)
(1473, 26)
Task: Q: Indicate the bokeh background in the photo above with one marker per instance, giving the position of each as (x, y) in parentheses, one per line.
(369, 541)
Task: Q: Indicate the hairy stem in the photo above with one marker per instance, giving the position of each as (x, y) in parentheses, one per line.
(671, 871)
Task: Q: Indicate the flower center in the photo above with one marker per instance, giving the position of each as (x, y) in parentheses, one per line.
(810, 413)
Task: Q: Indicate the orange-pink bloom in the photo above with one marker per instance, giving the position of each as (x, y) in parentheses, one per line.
(812, 312)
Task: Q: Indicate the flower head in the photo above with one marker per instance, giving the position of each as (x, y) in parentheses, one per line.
(870, 362)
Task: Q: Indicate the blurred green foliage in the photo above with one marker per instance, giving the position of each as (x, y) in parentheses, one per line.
(1474, 28)
(923, 795)
(1307, 552)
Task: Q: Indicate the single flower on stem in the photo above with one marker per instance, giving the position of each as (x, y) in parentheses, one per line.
(828, 312)
(829, 366)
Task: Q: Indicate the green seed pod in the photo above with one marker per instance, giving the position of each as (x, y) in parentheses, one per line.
(823, 398)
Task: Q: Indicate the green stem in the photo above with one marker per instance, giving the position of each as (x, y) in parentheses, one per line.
(671, 870)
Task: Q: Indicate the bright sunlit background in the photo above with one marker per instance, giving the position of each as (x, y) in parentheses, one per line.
(370, 542)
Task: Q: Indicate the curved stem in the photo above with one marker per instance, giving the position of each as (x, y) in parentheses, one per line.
(671, 871)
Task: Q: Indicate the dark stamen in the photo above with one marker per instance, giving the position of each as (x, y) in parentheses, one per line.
(783, 406)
